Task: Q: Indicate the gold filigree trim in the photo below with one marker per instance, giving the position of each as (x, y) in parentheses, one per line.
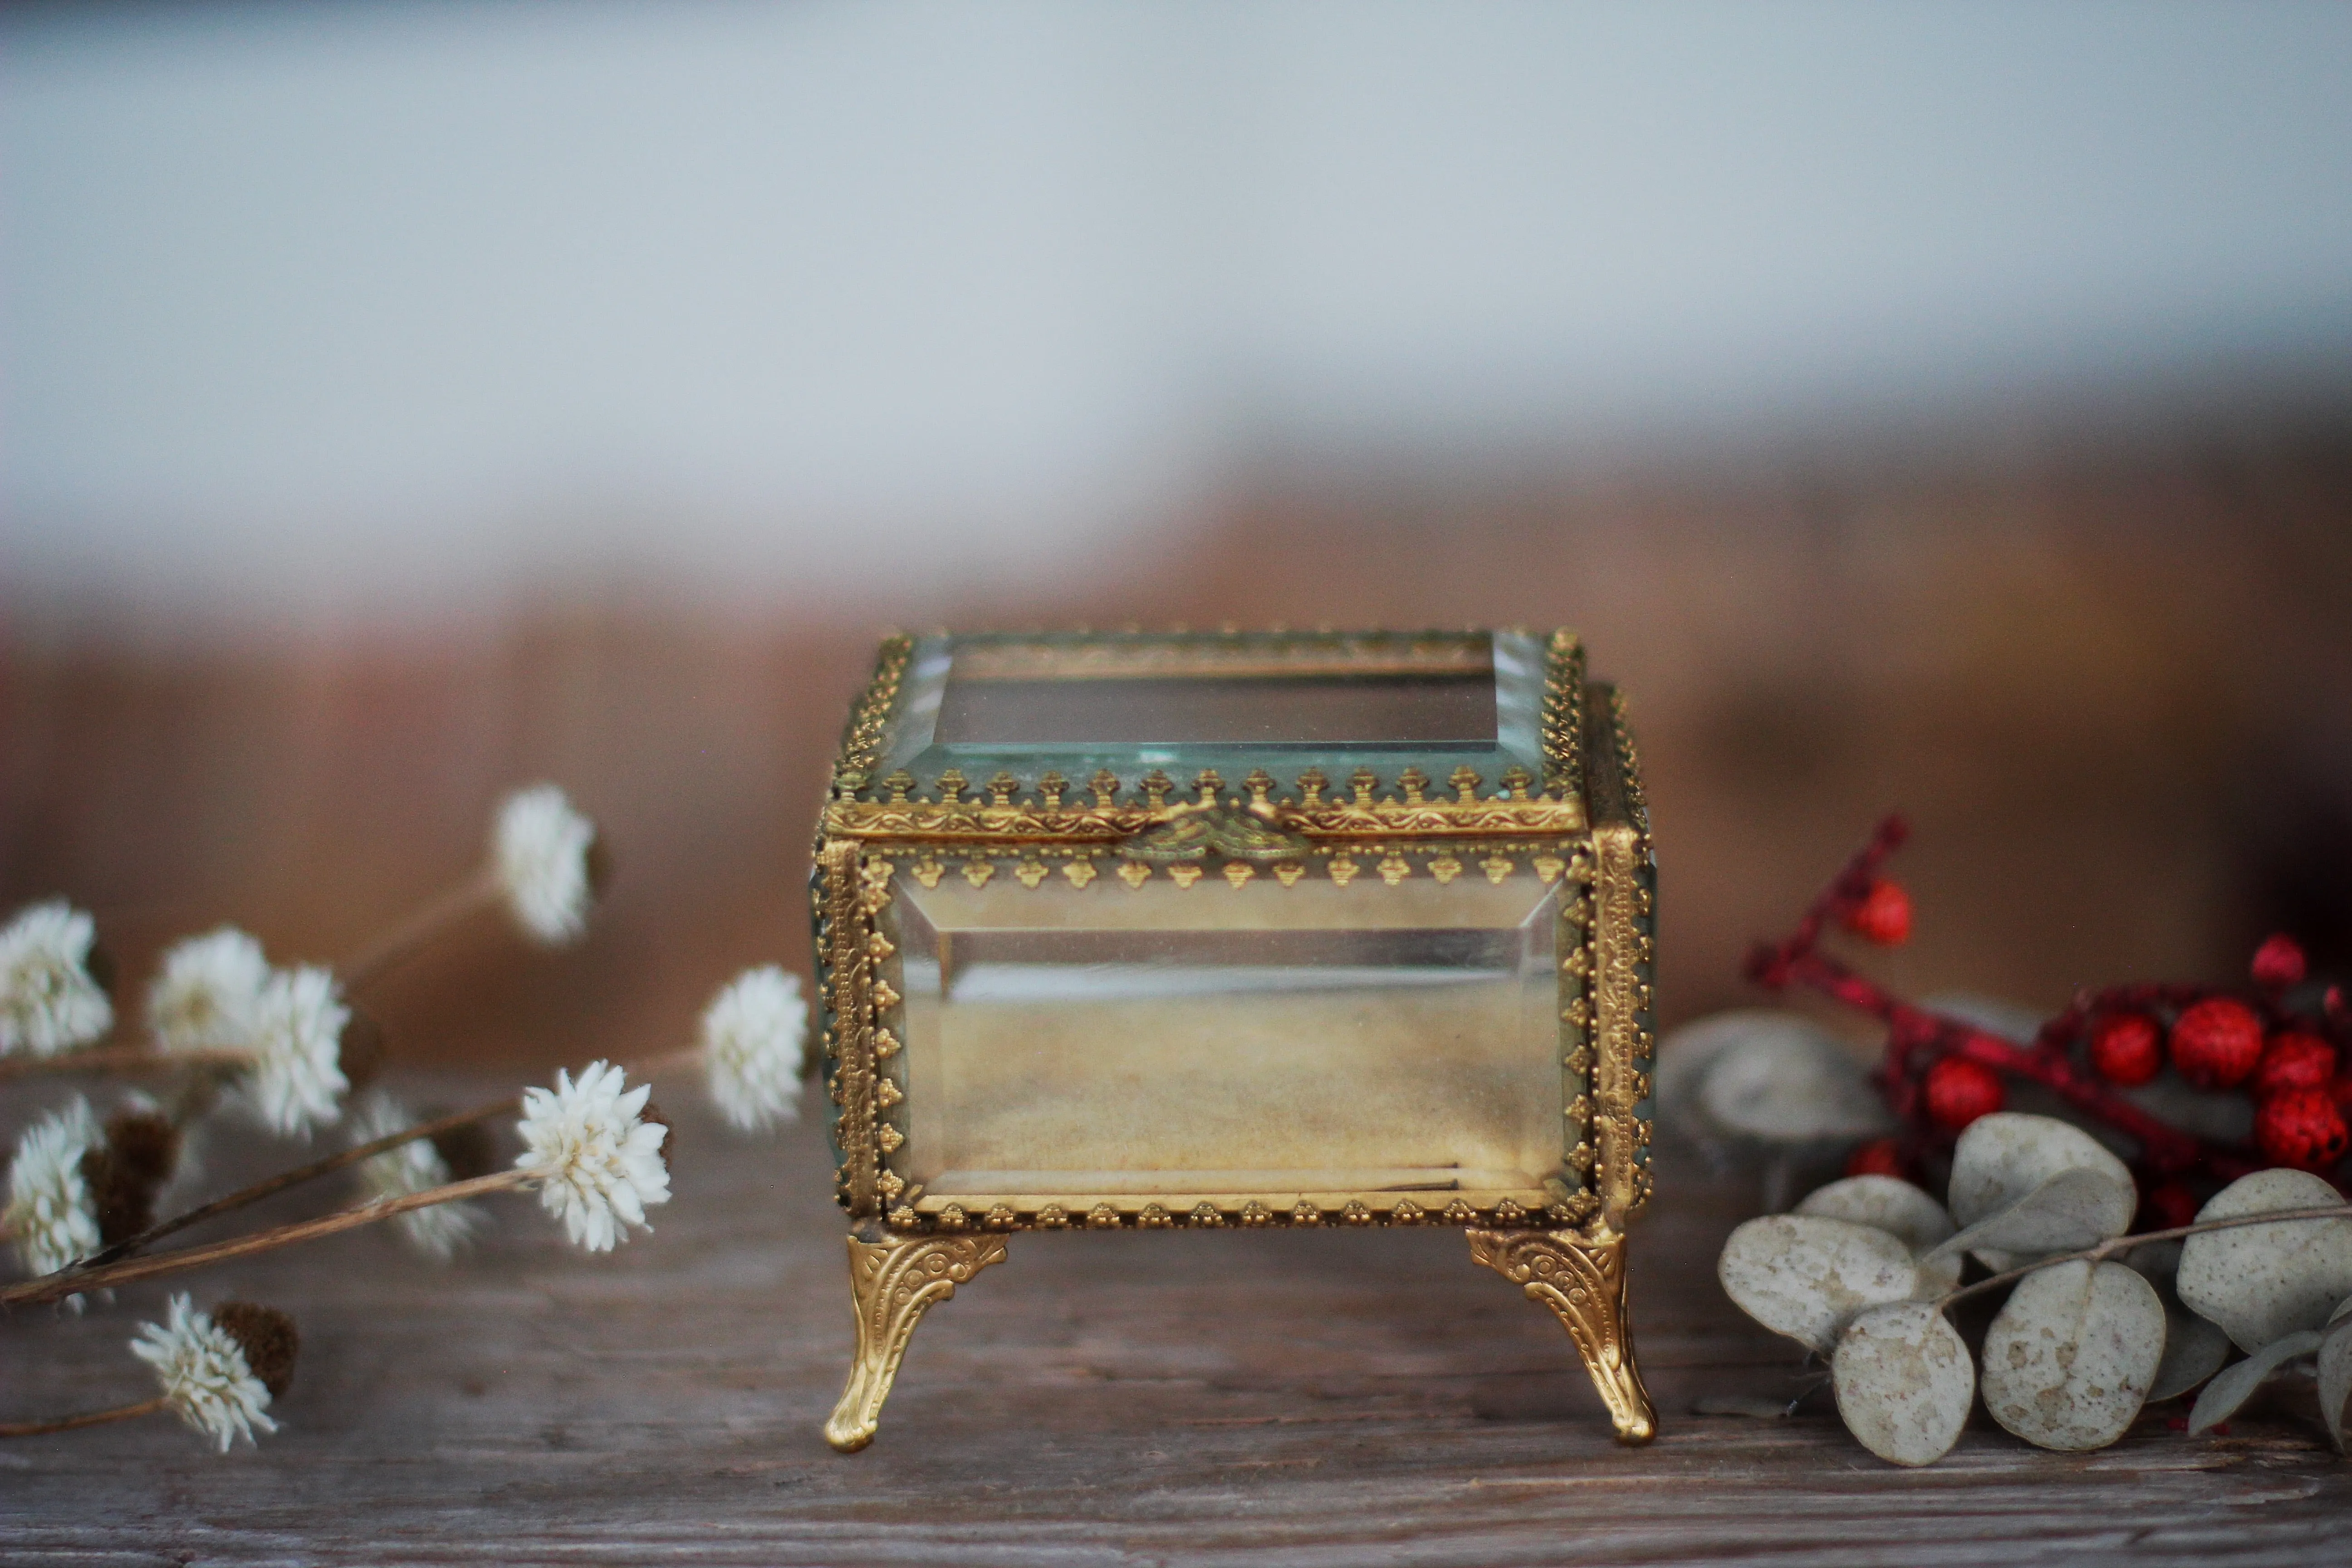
(862, 740)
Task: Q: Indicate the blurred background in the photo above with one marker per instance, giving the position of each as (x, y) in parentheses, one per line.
(1944, 406)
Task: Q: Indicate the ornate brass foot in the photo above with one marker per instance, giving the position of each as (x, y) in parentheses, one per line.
(1583, 1281)
(892, 1283)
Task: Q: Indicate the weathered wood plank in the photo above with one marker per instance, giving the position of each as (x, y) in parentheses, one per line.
(1227, 1399)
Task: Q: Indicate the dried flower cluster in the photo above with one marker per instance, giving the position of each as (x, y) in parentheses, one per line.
(279, 1045)
(50, 999)
(207, 1375)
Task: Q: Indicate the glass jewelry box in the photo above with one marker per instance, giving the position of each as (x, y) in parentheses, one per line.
(1140, 930)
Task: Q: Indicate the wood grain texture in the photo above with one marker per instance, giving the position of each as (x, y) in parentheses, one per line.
(1226, 1398)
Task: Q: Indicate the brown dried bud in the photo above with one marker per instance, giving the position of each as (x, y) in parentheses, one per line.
(146, 1142)
(99, 965)
(653, 1114)
(362, 1050)
(468, 1150)
(268, 1337)
(600, 867)
(126, 1171)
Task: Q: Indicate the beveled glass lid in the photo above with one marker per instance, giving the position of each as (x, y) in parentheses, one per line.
(1130, 702)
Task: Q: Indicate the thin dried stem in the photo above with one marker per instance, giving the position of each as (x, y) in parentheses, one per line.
(416, 931)
(56, 1287)
(130, 1060)
(88, 1418)
(271, 1185)
(2114, 1245)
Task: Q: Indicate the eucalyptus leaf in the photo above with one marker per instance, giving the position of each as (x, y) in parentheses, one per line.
(2263, 1282)
(1805, 1277)
(2194, 1351)
(2071, 1355)
(2003, 1157)
(2073, 1209)
(1905, 1212)
(1780, 1078)
(2335, 1374)
(2236, 1384)
(1904, 1382)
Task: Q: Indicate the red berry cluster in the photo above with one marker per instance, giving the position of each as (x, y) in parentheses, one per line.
(2223, 1044)
(1941, 1074)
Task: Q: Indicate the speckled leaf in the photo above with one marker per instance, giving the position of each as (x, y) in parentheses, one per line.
(1903, 1211)
(1904, 1382)
(2004, 1157)
(2336, 1373)
(2236, 1384)
(2071, 1357)
(1805, 1277)
(1785, 1081)
(2194, 1351)
(2263, 1282)
(2073, 1209)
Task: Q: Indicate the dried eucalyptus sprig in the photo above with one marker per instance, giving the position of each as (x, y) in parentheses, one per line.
(2094, 1325)
(219, 1372)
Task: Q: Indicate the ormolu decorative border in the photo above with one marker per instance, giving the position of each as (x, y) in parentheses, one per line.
(850, 995)
(1563, 718)
(1624, 908)
(861, 741)
(1006, 816)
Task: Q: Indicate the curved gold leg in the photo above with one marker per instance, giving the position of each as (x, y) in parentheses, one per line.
(892, 1283)
(1582, 1280)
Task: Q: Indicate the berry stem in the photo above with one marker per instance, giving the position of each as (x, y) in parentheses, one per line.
(1916, 1038)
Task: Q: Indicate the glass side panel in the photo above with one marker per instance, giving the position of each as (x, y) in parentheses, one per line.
(1259, 1038)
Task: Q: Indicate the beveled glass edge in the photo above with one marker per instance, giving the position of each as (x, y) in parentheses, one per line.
(909, 744)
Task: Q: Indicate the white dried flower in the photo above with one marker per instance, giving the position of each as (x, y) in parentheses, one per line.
(540, 850)
(208, 996)
(51, 1214)
(296, 1080)
(205, 1375)
(48, 1002)
(753, 1035)
(597, 1163)
(439, 1231)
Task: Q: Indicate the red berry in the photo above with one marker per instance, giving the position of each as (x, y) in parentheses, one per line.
(1879, 1157)
(2302, 1128)
(2126, 1048)
(2293, 1060)
(2168, 1206)
(2216, 1042)
(1883, 916)
(1960, 1091)
(2278, 964)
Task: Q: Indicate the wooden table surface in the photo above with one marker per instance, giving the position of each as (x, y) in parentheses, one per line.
(1355, 1397)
